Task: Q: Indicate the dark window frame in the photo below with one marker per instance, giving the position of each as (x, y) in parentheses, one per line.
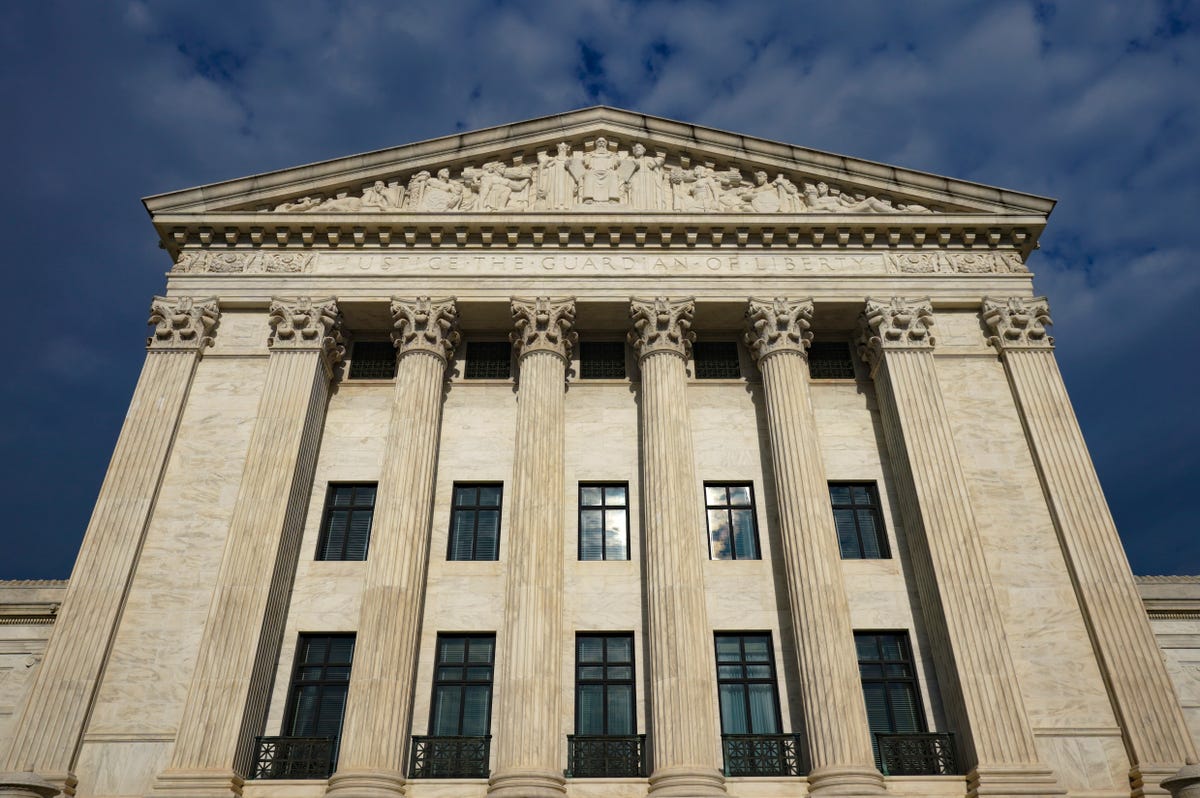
(746, 681)
(830, 368)
(327, 517)
(462, 684)
(604, 362)
(455, 508)
(294, 684)
(606, 682)
(912, 680)
(716, 368)
(604, 509)
(487, 363)
(352, 373)
(874, 506)
(729, 508)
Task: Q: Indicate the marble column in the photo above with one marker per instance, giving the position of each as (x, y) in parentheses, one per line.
(379, 705)
(528, 740)
(1156, 735)
(239, 648)
(966, 630)
(683, 690)
(47, 734)
(839, 742)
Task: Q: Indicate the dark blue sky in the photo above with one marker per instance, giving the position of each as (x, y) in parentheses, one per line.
(1095, 104)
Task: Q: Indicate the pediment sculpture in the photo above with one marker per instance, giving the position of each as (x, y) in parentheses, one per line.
(596, 178)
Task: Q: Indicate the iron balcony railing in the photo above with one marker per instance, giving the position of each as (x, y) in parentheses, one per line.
(916, 754)
(761, 754)
(594, 756)
(293, 758)
(450, 757)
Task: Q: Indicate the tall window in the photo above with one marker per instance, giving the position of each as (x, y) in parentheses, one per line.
(830, 360)
(889, 683)
(746, 683)
(488, 360)
(346, 524)
(372, 360)
(604, 697)
(602, 360)
(320, 679)
(861, 535)
(603, 522)
(475, 523)
(716, 360)
(462, 686)
(732, 532)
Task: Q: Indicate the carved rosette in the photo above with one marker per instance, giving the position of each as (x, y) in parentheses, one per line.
(544, 324)
(662, 325)
(778, 325)
(304, 324)
(1018, 323)
(182, 323)
(897, 323)
(425, 325)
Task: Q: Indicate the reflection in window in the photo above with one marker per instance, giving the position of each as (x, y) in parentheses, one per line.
(603, 522)
(732, 532)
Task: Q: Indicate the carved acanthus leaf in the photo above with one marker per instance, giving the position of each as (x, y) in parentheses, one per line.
(182, 322)
(425, 325)
(894, 324)
(778, 325)
(544, 325)
(601, 175)
(1018, 323)
(662, 325)
(306, 323)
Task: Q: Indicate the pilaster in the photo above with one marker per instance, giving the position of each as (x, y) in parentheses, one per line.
(48, 732)
(379, 704)
(1156, 735)
(839, 742)
(683, 734)
(238, 649)
(528, 740)
(975, 668)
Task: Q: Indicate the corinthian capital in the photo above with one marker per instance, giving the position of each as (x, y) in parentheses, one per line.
(544, 325)
(1018, 323)
(306, 323)
(662, 325)
(425, 325)
(897, 323)
(182, 322)
(778, 325)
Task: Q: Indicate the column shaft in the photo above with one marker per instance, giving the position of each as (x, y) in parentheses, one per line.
(48, 731)
(530, 694)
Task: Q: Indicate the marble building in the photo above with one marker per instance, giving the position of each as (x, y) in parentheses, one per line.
(601, 455)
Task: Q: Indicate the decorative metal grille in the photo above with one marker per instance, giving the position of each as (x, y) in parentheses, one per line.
(293, 758)
(602, 360)
(605, 757)
(488, 360)
(830, 360)
(761, 754)
(917, 754)
(450, 757)
(373, 360)
(716, 360)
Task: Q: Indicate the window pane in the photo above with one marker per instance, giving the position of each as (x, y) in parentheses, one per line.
(839, 494)
(739, 495)
(591, 672)
(718, 533)
(481, 649)
(904, 707)
(590, 497)
(877, 714)
(620, 672)
(763, 718)
(729, 672)
(449, 674)
(714, 495)
(591, 536)
(343, 495)
(487, 535)
(620, 649)
(891, 648)
(758, 671)
(870, 536)
(733, 709)
(616, 538)
(745, 545)
(464, 495)
(489, 495)
(591, 709)
(867, 649)
(591, 649)
(847, 534)
(728, 648)
(479, 674)
(304, 713)
(452, 650)
(620, 709)
(758, 649)
(860, 494)
(333, 707)
(475, 710)
(614, 494)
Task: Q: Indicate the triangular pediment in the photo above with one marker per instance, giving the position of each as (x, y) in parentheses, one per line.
(596, 160)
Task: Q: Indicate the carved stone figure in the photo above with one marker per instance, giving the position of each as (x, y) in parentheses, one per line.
(501, 188)
(342, 203)
(425, 325)
(434, 194)
(597, 173)
(558, 187)
(643, 180)
(1018, 323)
(381, 196)
(182, 323)
(790, 200)
(762, 197)
(300, 205)
(544, 324)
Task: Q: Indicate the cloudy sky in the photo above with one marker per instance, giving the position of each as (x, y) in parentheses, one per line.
(1095, 104)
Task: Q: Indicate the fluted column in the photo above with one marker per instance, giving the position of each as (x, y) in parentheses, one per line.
(378, 708)
(226, 701)
(683, 690)
(527, 762)
(966, 630)
(1156, 735)
(839, 741)
(47, 733)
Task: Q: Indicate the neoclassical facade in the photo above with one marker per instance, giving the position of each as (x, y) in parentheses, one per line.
(600, 455)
